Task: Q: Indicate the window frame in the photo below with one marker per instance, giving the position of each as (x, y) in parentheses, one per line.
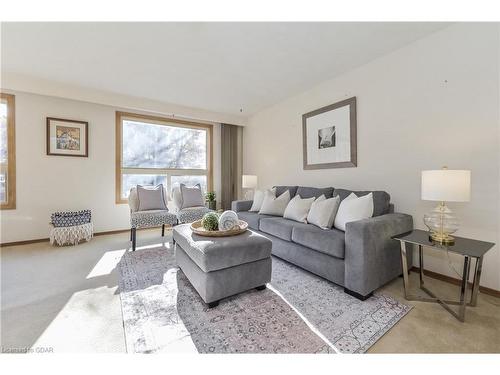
(10, 168)
(160, 121)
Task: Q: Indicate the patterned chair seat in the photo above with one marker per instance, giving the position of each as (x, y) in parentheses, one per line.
(190, 214)
(152, 218)
(149, 218)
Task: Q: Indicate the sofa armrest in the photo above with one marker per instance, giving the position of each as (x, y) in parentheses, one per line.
(238, 206)
(372, 257)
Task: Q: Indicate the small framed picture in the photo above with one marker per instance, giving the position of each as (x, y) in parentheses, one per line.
(67, 137)
(329, 136)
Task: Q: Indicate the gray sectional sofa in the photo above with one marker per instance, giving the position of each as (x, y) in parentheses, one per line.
(361, 259)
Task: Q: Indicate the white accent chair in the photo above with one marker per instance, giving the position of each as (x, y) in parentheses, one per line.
(149, 218)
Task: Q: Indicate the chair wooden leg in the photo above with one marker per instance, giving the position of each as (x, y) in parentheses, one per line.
(163, 230)
(134, 235)
(130, 234)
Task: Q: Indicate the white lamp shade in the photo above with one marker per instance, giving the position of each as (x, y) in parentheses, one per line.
(249, 181)
(446, 185)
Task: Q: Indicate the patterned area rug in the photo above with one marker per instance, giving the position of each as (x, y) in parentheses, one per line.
(298, 312)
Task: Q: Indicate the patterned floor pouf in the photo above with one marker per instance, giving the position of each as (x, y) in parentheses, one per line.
(70, 235)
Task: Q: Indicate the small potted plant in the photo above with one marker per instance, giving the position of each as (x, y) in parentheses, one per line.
(210, 200)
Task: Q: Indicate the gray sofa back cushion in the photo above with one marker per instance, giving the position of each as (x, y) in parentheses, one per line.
(309, 192)
(381, 199)
(281, 189)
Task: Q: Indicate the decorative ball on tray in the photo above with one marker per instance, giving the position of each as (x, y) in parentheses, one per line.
(228, 220)
(210, 221)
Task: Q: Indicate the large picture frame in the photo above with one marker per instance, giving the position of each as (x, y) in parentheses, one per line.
(329, 136)
(67, 137)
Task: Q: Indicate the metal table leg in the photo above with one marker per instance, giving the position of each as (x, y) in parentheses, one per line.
(477, 279)
(404, 263)
(462, 303)
(463, 289)
(421, 263)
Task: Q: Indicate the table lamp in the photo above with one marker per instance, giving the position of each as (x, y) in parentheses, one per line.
(444, 185)
(249, 182)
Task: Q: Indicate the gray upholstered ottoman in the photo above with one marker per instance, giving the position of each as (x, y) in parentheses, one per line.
(219, 267)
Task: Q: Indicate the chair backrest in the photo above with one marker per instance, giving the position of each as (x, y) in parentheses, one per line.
(133, 199)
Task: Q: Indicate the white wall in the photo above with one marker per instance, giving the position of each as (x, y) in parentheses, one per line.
(433, 103)
(35, 85)
(51, 183)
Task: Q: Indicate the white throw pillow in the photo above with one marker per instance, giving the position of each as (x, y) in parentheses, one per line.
(353, 208)
(298, 209)
(258, 198)
(274, 206)
(323, 211)
(177, 197)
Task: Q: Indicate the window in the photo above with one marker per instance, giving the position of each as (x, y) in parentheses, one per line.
(152, 150)
(7, 152)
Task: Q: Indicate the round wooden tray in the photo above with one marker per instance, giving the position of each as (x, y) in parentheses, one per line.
(198, 229)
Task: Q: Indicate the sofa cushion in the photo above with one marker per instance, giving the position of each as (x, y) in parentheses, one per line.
(309, 192)
(381, 199)
(279, 227)
(330, 242)
(252, 218)
(281, 189)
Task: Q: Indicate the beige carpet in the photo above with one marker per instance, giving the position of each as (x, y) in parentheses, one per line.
(66, 298)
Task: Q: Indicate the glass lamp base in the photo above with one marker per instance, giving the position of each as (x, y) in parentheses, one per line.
(441, 223)
(249, 194)
(443, 239)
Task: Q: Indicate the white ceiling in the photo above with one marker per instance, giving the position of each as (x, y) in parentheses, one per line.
(215, 66)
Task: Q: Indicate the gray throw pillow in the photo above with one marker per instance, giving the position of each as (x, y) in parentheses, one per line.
(151, 198)
(191, 196)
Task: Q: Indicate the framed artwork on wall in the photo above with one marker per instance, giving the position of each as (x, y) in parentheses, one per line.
(67, 137)
(329, 136)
